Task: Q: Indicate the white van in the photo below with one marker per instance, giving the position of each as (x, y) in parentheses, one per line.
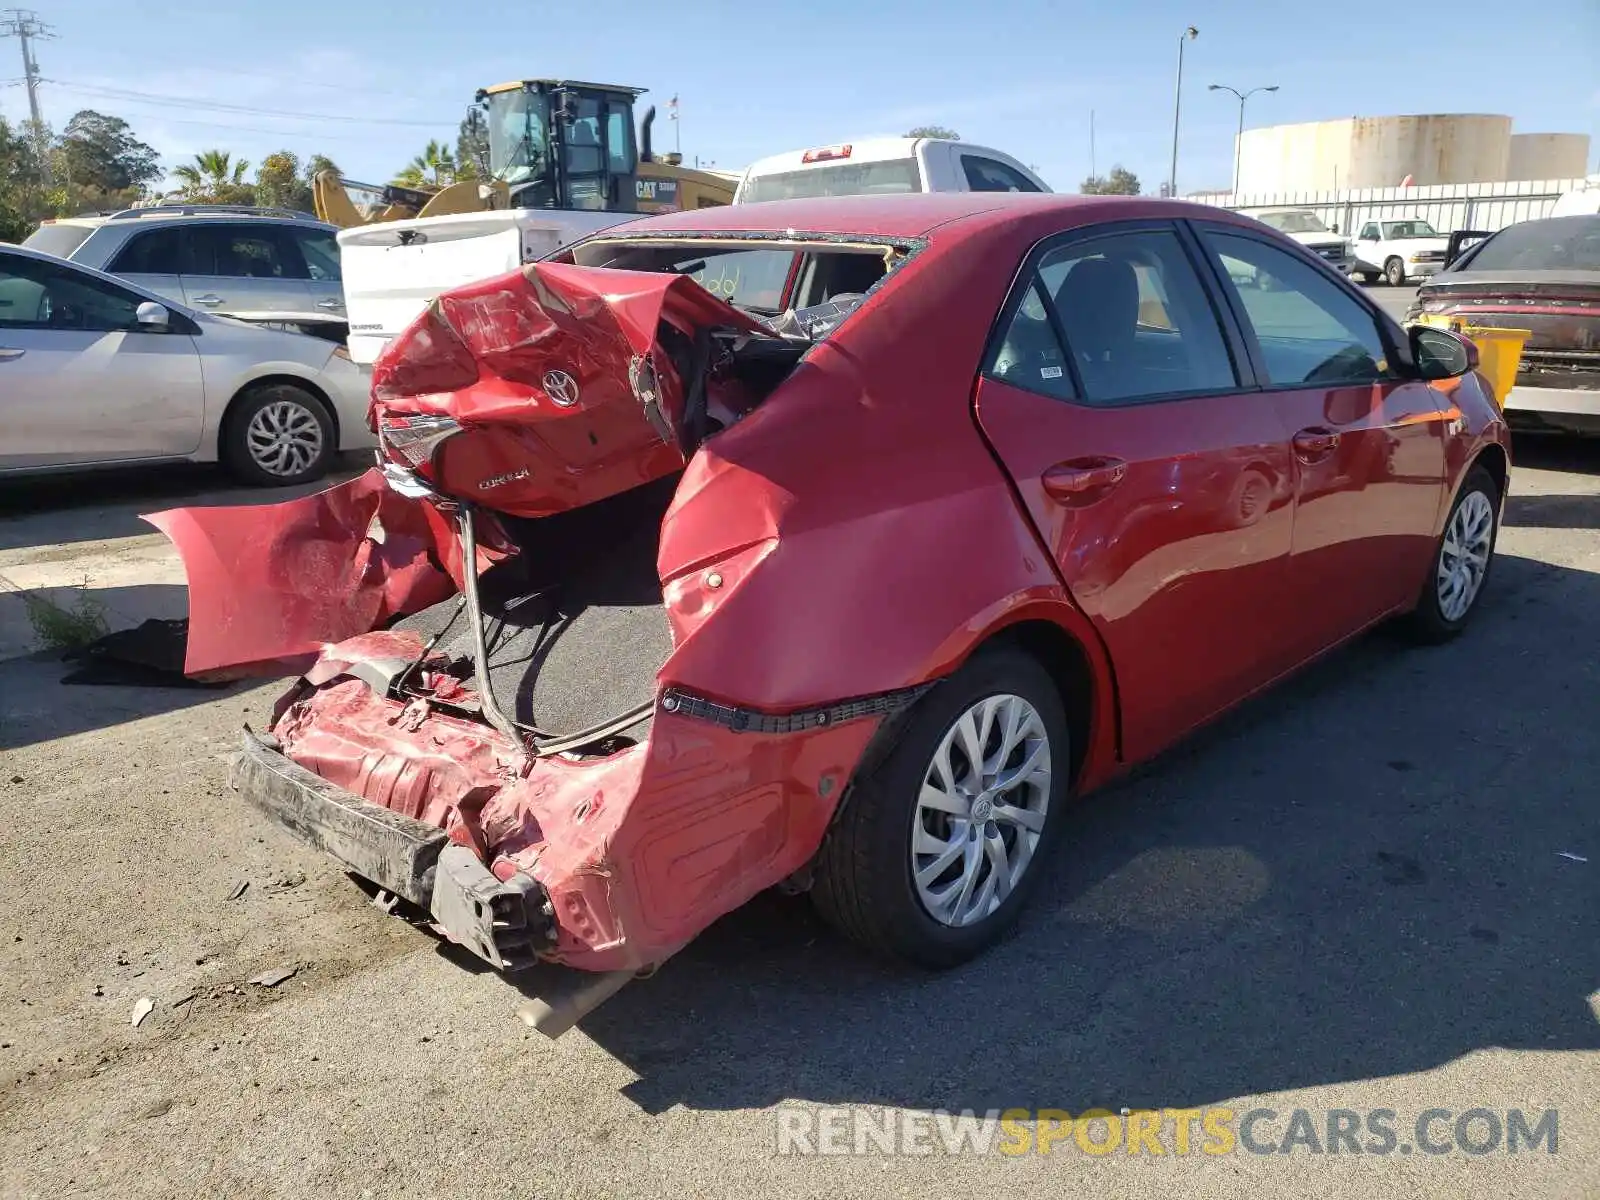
(884, 165)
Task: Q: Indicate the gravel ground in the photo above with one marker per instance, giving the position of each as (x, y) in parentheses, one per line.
(1352, 894)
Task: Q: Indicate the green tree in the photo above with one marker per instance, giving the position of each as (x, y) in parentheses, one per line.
(934, 131)
(23, 200)
(215, 177)
(435, 165)
(280, 184)
(97, 152)
(1121, 182)
(472, 146)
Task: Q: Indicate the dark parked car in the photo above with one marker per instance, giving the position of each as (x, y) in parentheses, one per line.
(1542, 276)
(847, 590)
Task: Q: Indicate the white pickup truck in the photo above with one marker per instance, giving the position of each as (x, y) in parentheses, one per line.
(885, 165)
(1399, 250)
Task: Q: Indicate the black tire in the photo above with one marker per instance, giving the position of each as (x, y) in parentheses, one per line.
(1368, 276)
(863, 884)
(1394, 271)
(1427, 623)
(235, 450)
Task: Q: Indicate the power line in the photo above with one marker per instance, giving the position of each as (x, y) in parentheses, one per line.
(195, 103)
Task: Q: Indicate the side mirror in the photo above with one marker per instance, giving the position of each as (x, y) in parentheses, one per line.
(1441, 354)
(152, 316)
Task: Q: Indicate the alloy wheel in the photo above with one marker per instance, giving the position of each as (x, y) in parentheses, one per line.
(1464, 555)
(981, 809)
(284, 438)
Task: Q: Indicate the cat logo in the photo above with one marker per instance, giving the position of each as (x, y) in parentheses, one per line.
(656, 191)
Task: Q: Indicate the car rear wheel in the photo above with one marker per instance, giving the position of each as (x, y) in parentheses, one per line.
(1395, 272)
(1367, 276)
(940, 842)
(1461, 561)
(278, 435)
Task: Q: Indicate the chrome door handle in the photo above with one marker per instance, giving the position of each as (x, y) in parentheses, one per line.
(7, 354)
(329, 304)
(208, 298)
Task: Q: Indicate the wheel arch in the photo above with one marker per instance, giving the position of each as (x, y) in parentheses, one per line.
(251, 386)
(1494, 459)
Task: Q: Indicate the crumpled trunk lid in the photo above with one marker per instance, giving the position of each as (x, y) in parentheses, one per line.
(562, 386)
(569, 383)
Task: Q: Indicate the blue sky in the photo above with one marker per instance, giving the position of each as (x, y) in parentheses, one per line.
(756, 78)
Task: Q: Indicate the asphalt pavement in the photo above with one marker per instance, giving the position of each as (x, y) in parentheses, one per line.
(1377, 888)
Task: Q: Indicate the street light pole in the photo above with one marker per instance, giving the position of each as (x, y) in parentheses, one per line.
(1188, 35)
(1238, 146)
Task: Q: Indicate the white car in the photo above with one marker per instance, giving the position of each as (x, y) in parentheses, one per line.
(95, 372)
(1399, 250)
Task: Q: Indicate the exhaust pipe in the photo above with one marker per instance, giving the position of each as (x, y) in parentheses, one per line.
(644, 135)
(554, 1015)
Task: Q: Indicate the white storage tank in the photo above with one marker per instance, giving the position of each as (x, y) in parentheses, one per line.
(1376, 152)
(1548, 156)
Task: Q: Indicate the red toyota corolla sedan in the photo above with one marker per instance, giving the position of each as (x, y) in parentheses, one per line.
(830, 544)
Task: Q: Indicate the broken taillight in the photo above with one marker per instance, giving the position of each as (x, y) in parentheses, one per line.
(415, 438)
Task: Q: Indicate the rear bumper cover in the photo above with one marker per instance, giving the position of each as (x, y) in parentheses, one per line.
(507, 924)
(1581, 401)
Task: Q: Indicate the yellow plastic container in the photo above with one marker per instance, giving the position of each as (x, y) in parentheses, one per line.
(1499, 350)
(1499, 356)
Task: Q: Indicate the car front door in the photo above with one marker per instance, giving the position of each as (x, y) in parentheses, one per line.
(244, 269)
(1369, 442)
(81, 381)
(1117, 395)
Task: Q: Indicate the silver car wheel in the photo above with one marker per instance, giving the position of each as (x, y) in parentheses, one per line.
(284, 438)
(1464, 555)
(981, 810)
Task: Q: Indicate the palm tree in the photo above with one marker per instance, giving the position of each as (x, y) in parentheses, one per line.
(435, 158)
(212, 171)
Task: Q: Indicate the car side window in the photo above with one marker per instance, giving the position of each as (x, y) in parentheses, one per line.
(1136, 318)
(321, 252)
(987, 175)
(1029, 356)
(37, 295)
(243, 252)
(1369, 232)
(150, 252)
(1311, 333)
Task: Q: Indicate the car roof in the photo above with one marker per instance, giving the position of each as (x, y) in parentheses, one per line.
(908, 215)
(136, 216)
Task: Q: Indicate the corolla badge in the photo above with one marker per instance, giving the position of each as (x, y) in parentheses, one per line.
(561, 388)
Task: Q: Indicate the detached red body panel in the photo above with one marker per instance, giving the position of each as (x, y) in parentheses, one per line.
(842, 538)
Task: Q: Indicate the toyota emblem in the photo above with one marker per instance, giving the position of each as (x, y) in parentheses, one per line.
(561, 388)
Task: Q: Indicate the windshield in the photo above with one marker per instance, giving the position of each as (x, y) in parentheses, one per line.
(843, 179)
(1557, 244)
(1294, 222)
(519, 125)
(1408, 229)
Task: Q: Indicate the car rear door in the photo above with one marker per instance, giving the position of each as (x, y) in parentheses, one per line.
(1117, 395)
(244, 269)
(81, 381)
(324, 285)
(1369, 443)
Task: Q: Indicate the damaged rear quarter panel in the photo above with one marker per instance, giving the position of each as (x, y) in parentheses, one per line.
(861, 533)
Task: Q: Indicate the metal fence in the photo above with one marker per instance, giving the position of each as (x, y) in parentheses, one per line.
(1486, 206)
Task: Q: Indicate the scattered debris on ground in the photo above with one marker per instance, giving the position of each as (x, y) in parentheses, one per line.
(272, 978)
(143, 1009)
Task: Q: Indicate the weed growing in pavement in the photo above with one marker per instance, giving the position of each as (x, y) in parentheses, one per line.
(69, 627)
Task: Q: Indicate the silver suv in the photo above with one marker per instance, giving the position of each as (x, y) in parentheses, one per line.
(260, 264)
